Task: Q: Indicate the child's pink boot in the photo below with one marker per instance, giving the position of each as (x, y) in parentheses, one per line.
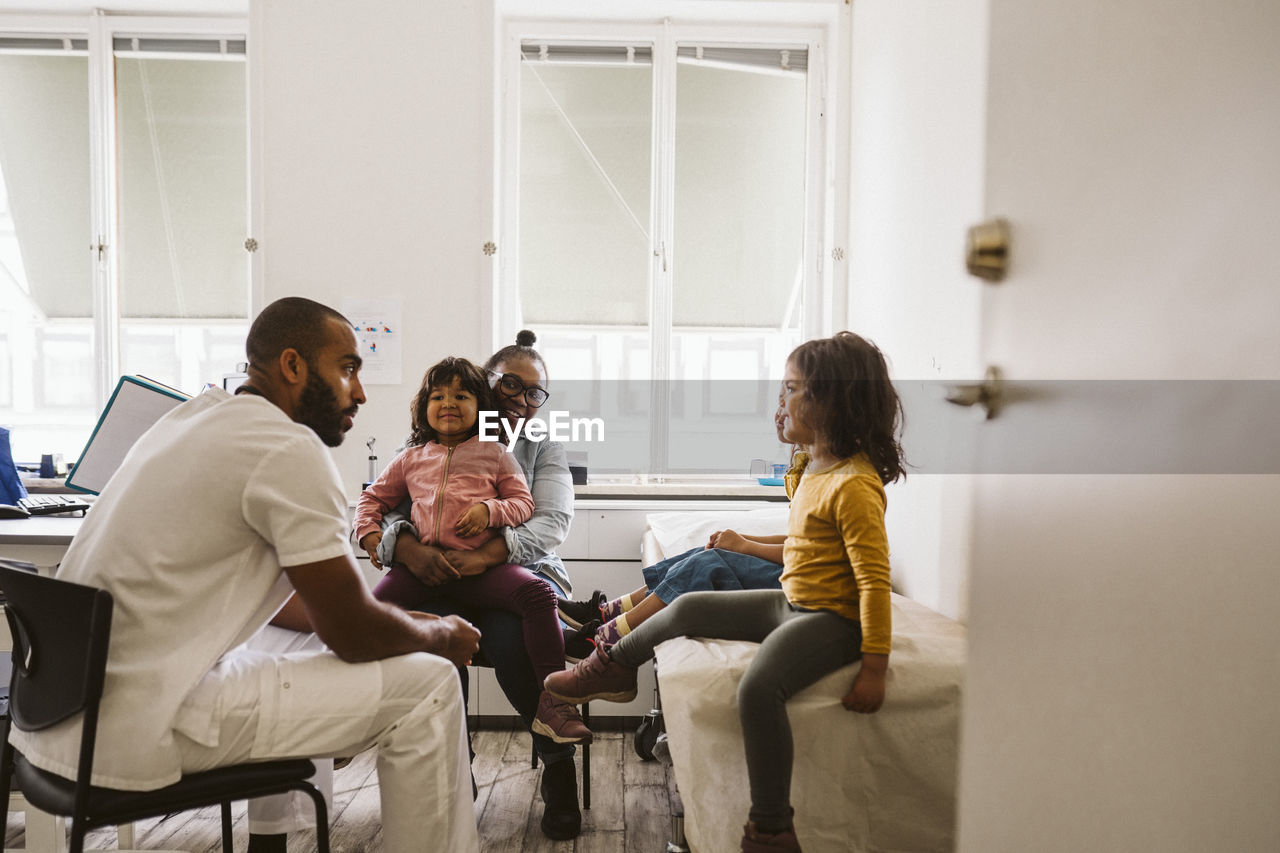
(594, 677)
(559, 721)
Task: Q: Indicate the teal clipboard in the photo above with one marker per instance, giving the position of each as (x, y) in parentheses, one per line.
(135, 404)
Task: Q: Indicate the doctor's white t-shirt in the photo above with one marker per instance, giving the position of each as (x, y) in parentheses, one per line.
(190, 537)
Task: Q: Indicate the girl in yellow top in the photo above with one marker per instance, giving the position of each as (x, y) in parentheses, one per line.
(730, 561)
(833, 608)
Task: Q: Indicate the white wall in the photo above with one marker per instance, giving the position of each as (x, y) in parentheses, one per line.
(918, 118)
(1124, 645)
(374, 126)
(374, 145)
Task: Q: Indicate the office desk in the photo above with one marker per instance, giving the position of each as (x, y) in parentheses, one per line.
(42, 539)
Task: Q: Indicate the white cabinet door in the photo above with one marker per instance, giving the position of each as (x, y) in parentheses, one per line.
(43, 557)
(614, 577)
(615, 534)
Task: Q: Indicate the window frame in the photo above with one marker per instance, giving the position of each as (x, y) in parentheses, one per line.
(665, 25)
(100, 30)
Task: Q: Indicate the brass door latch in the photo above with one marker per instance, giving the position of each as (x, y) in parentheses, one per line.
(988, 396)
(986, 252)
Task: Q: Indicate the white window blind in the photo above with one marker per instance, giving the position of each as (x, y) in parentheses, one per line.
(551, 53)
(793, 60)
(43, 44)
(667, 202)
(186, 48)
(123, 216)
(44, 170)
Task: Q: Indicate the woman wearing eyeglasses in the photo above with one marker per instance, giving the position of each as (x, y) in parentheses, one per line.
(519, 377)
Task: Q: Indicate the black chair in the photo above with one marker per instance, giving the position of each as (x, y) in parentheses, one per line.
(60, 633)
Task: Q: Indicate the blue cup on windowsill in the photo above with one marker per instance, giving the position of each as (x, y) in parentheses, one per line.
(773, 474)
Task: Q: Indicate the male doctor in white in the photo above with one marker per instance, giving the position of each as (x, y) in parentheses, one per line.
(218, 514)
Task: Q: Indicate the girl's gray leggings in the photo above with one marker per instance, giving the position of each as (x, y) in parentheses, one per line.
(797, 648)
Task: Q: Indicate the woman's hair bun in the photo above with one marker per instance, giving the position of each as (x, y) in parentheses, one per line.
(525, 338)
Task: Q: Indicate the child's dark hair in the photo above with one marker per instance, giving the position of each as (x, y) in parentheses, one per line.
(471, 378)
(850, 401)
(522, 348)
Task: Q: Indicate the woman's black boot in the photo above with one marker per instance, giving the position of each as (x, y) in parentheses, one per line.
(561, 818)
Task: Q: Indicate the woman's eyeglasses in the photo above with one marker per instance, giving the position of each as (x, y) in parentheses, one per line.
(511, 385)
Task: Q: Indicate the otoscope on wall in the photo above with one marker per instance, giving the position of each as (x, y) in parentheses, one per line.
(373, 462)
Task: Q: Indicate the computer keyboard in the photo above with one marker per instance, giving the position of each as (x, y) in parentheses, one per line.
(50, 504)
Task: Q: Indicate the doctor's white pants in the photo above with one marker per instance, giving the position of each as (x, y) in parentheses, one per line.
(292, 812)
(264, 706)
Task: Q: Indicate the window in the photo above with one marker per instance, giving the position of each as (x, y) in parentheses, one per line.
(663, 210)
(123, 215)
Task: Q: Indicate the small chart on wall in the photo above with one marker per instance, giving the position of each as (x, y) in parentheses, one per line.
(376, 323)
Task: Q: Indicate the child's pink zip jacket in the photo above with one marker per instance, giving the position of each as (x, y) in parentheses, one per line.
(443, 482)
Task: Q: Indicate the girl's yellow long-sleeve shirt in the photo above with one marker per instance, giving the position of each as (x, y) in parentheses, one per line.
(836, 556)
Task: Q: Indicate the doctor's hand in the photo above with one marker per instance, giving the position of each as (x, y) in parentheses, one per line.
(474, 520)
(451, 637)
(369, 542)
(427, 563)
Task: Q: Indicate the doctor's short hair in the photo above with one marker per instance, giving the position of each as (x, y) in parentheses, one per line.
(293, 322)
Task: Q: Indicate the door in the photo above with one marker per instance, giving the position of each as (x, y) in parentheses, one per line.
(1124, 637)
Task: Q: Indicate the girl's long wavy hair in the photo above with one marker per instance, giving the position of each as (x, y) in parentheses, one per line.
(849, 401)
(472, 379)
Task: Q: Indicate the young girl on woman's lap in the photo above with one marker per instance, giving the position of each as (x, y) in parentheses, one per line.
(461, 488)
(834, 605)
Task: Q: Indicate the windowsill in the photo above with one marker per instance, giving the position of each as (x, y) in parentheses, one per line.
(682, 491)
(48, 486)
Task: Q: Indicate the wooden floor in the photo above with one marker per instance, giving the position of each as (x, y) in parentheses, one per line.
(630, 806)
